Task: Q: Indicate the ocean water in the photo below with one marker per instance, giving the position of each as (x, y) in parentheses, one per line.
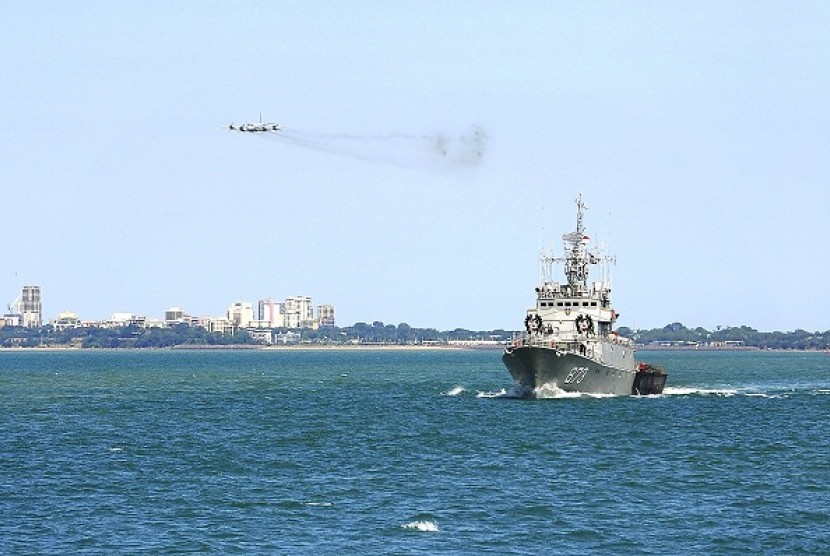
(367, 452)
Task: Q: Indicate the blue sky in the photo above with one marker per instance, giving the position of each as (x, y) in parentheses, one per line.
(697, 133)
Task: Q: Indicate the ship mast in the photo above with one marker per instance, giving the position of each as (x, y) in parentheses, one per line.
(576, 257)
(576, 261)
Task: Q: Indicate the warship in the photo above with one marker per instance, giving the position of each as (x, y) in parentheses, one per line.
(569, 343)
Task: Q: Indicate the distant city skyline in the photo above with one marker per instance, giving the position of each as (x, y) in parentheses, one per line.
(426, 150)
(293, 312)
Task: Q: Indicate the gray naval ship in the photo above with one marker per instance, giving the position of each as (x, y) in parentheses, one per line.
(569, 343)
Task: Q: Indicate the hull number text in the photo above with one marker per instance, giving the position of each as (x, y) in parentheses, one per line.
(577, 375)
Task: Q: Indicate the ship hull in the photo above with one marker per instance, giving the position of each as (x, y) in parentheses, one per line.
(533, 367)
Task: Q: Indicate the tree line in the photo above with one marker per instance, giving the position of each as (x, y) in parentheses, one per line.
(184, 335)
(677, 334)
(379, 333)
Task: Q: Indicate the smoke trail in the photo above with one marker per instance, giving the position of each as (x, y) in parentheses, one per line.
(396, 149)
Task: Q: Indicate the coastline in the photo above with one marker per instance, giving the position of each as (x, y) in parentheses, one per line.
(377, 347)
(244, 347)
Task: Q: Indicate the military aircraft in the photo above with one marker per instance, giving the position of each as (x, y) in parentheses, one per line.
(255, 127)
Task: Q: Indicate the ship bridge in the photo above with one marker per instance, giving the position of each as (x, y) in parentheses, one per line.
(573, 310)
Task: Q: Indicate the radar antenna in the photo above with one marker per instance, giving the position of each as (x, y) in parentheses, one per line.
(576, 257)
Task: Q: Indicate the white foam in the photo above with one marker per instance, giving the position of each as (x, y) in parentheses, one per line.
(513, 392)
(455, 391)
(764, 395)
(320, 504)
(421, 525)
(551, 391)
(685, 391)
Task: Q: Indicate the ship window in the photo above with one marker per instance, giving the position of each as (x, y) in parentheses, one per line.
(567, 304)
(559, 303)
(584, 303)
(593, 303)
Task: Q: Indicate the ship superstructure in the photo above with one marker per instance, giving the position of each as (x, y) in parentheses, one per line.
(569, 342)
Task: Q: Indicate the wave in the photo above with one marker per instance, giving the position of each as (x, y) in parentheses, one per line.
(454, 391)
(421, 525)
(512, 392)
(727, 392)
(552, 391)
(691, 391)
(544, 392)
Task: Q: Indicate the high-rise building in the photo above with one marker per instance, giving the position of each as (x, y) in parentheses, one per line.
(299, 312)
(271, 313)
(30, 306)
(325, 315)
(241, 314)
(174, 315)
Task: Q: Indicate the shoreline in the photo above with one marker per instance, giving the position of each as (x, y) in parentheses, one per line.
(244, 347)
(379, 347)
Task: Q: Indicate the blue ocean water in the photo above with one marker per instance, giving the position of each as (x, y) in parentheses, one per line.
(361, 451)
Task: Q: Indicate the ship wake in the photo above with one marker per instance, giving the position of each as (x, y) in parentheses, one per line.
(514, 392)
(455, 391)
(770, 391)
(552, 391)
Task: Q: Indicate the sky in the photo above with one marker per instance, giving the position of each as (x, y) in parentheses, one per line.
(429, 150)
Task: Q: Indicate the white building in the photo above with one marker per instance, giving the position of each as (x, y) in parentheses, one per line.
(325, 315)
(223, 326)
(174, 315)
(27, 307)
(265, 336)
(10, 320)
(118, 319)
(241, 314)
(31, 307)
(271, 313)
(67, 319)
(299, 312)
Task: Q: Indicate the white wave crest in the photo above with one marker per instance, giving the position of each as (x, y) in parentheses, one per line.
(421, 525)
(513, 392)
(686, 391)
(551, 391)
(455, 391)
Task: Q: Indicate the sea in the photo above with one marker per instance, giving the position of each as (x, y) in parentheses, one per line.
(361, 451)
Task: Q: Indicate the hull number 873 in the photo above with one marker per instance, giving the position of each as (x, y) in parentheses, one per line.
(577, 375)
